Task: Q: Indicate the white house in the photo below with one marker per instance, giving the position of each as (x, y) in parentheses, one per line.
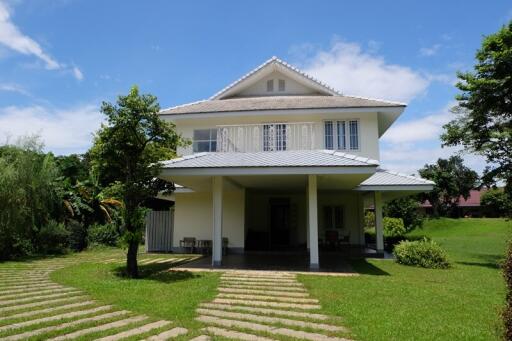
(281, 161)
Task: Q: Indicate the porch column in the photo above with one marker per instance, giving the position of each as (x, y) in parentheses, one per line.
(379, 229)
(217, 182)
(313, 222)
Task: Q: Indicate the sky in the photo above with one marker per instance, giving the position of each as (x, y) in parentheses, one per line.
(59, 59)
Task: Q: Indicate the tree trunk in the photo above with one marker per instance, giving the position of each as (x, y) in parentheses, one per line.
(131, 259)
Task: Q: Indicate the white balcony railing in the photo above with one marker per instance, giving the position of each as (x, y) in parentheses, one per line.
(266, 137)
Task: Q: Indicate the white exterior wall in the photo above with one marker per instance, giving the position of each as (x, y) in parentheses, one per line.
(193, 217)
(369, 136)
(349, 203)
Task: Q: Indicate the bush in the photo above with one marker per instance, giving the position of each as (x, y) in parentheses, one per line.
(106, 234)
(496, 203)
(369, 220)
(77, 235)
(422, 253)
(393, 227)
(53, 238)
(407, 209)
(507, 312)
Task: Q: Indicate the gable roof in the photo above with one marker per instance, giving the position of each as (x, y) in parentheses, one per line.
(274, 64)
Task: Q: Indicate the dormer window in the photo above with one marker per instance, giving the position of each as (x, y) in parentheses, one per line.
(270, 85)
(281, 85)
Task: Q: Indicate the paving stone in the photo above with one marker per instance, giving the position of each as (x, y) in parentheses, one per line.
(267, 319)
(100, 328)
(263, 287)
(231, 334)
(267, 304)
(35, 293)
(168, 334)
(267, 311)
(29, 334)
(259, 279)
(40, 303)
(35, 298)
(135, 331)
(47, 310)
(269, 276)
(268, 298)
(55, 317)
(263, 292)
(23, 290)
(272, 284)
(268, 329)
(201, 338)
(166, 260)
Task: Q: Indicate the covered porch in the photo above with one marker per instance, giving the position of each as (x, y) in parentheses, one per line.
(291, 211)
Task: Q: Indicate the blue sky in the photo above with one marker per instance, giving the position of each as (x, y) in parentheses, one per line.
(59, 59)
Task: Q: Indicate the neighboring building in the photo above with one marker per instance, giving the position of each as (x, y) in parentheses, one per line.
(281, 161)
(469, 207)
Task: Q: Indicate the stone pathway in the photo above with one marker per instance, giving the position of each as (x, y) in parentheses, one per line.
(261, 306)
(34, 307)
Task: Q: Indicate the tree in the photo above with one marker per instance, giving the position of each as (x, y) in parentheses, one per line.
(496, 202)
(484, 112)
(452, 181)
(128, 149)
(407, 209)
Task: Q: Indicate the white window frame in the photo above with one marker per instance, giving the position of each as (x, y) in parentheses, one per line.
(212, 138)
(335, 135)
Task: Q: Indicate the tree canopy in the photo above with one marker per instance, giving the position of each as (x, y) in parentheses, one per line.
(127, 150)
(483, 122)
(452, 181)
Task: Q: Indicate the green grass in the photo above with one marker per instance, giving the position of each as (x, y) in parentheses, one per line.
(173, 296)
(396, 302)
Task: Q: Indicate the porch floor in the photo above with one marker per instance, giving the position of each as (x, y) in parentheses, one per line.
(330, 262)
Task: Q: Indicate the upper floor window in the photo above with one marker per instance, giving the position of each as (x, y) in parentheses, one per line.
(341, 135)
(274, 137)
(205, 140)
(281, 85)
(270, 85)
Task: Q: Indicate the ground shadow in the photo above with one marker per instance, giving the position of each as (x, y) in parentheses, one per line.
(491, 261)
(159, 272)
(363, 267)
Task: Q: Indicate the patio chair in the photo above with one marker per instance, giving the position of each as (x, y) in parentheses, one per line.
(332, 239)
(205, 246)
(188, 243)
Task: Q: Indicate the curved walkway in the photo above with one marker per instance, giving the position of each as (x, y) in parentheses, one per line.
(250, 305)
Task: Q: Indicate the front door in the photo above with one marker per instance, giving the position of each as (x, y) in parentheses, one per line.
(279, 223)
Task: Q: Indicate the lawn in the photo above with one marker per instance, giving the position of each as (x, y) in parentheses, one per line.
(166, 295)
(395, 302)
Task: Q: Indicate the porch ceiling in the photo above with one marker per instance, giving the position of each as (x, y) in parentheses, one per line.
(274, 182)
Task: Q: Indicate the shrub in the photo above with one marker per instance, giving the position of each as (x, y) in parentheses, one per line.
(496, 203)
(106, 234)
(393, 227)
(507, 312)
(422, 253)
(407, 209)
(53, 238)
(77, 235)
(369, 220)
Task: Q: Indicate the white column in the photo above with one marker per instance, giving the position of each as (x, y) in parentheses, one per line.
(379, 228)
(313, 222)
(217, 220)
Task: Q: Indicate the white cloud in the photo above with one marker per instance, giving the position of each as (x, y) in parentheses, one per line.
(13, 38)
(348, 68)
(430, 51)
(422, 129)
(77, 73)
(62, 130)
(14, 88)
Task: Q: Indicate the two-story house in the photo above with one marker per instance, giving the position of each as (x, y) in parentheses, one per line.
(281, 161)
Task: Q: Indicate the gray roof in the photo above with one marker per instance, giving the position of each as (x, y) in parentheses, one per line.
(278, 103)
(302, 158)
(384, 177)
